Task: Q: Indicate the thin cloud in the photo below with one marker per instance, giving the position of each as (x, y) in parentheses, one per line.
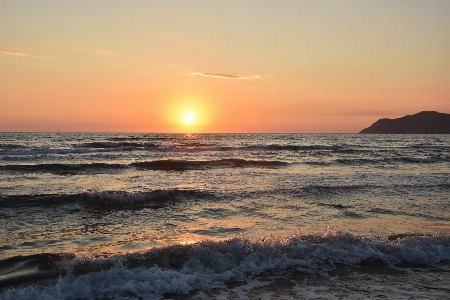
(226, 76)
(12, 53)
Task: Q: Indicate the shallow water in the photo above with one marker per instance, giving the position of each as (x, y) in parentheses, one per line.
(83, 199)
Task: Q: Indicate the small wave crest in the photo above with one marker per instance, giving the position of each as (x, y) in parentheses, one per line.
(64, 169)
(182, 165)
(143, 137)
(132, 144)
(47, 151)
(167, 165)
(423, 160)
(276, 147)
(155, 199)
(104, 199)
(395, 160)
(124, 145)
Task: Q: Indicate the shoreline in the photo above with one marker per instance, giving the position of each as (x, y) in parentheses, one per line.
(374, 280)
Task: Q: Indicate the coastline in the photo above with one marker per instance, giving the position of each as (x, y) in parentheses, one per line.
(372, 280)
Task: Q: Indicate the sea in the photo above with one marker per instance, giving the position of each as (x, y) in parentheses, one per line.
(224, 216)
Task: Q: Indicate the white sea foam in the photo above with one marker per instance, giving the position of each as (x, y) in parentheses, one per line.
(208, 265)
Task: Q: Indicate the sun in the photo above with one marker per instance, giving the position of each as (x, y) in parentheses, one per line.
(189, 119)
(188, 114)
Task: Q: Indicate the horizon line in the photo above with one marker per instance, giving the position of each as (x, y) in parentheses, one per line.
(150, 132)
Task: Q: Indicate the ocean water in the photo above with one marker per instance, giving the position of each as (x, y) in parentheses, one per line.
(225, 216)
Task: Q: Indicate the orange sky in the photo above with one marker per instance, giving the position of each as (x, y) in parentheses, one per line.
(235, 66)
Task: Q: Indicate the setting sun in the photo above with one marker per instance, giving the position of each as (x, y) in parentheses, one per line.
(189, 119)
(188, 112)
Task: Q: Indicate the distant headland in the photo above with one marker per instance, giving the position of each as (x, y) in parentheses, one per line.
(425, 122)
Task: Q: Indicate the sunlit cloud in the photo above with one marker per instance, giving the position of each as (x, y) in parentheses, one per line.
(226, 76)
(12, 53)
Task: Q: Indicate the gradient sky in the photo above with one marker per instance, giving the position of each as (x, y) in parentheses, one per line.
(235, 66)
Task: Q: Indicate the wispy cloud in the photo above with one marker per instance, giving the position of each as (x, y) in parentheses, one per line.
(12, 53)
(226, 76)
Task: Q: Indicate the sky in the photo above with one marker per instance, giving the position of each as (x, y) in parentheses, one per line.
(220, 65)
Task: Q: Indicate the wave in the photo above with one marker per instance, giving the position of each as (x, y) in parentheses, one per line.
(144, 137)
(167, 165)
(193, 145)
(47, 151)
(275, 147)
(162, 197)
(186, 148)
(404, 159)
(430, 146)
(318, 188)
(205, 147)
(105, 199)
(390, 212)
(123, 145)
(183, 165)
(65, 169)
(423, 160)
(154, 199)
(136, 145)
(12, 146)
(182, 269)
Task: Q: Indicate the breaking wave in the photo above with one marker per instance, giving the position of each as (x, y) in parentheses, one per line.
(155, 199)
(181, 269)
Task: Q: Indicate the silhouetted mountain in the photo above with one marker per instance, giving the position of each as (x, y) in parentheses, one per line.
(425, 122)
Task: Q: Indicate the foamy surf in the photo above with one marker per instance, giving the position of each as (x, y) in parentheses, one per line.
(208, 265)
